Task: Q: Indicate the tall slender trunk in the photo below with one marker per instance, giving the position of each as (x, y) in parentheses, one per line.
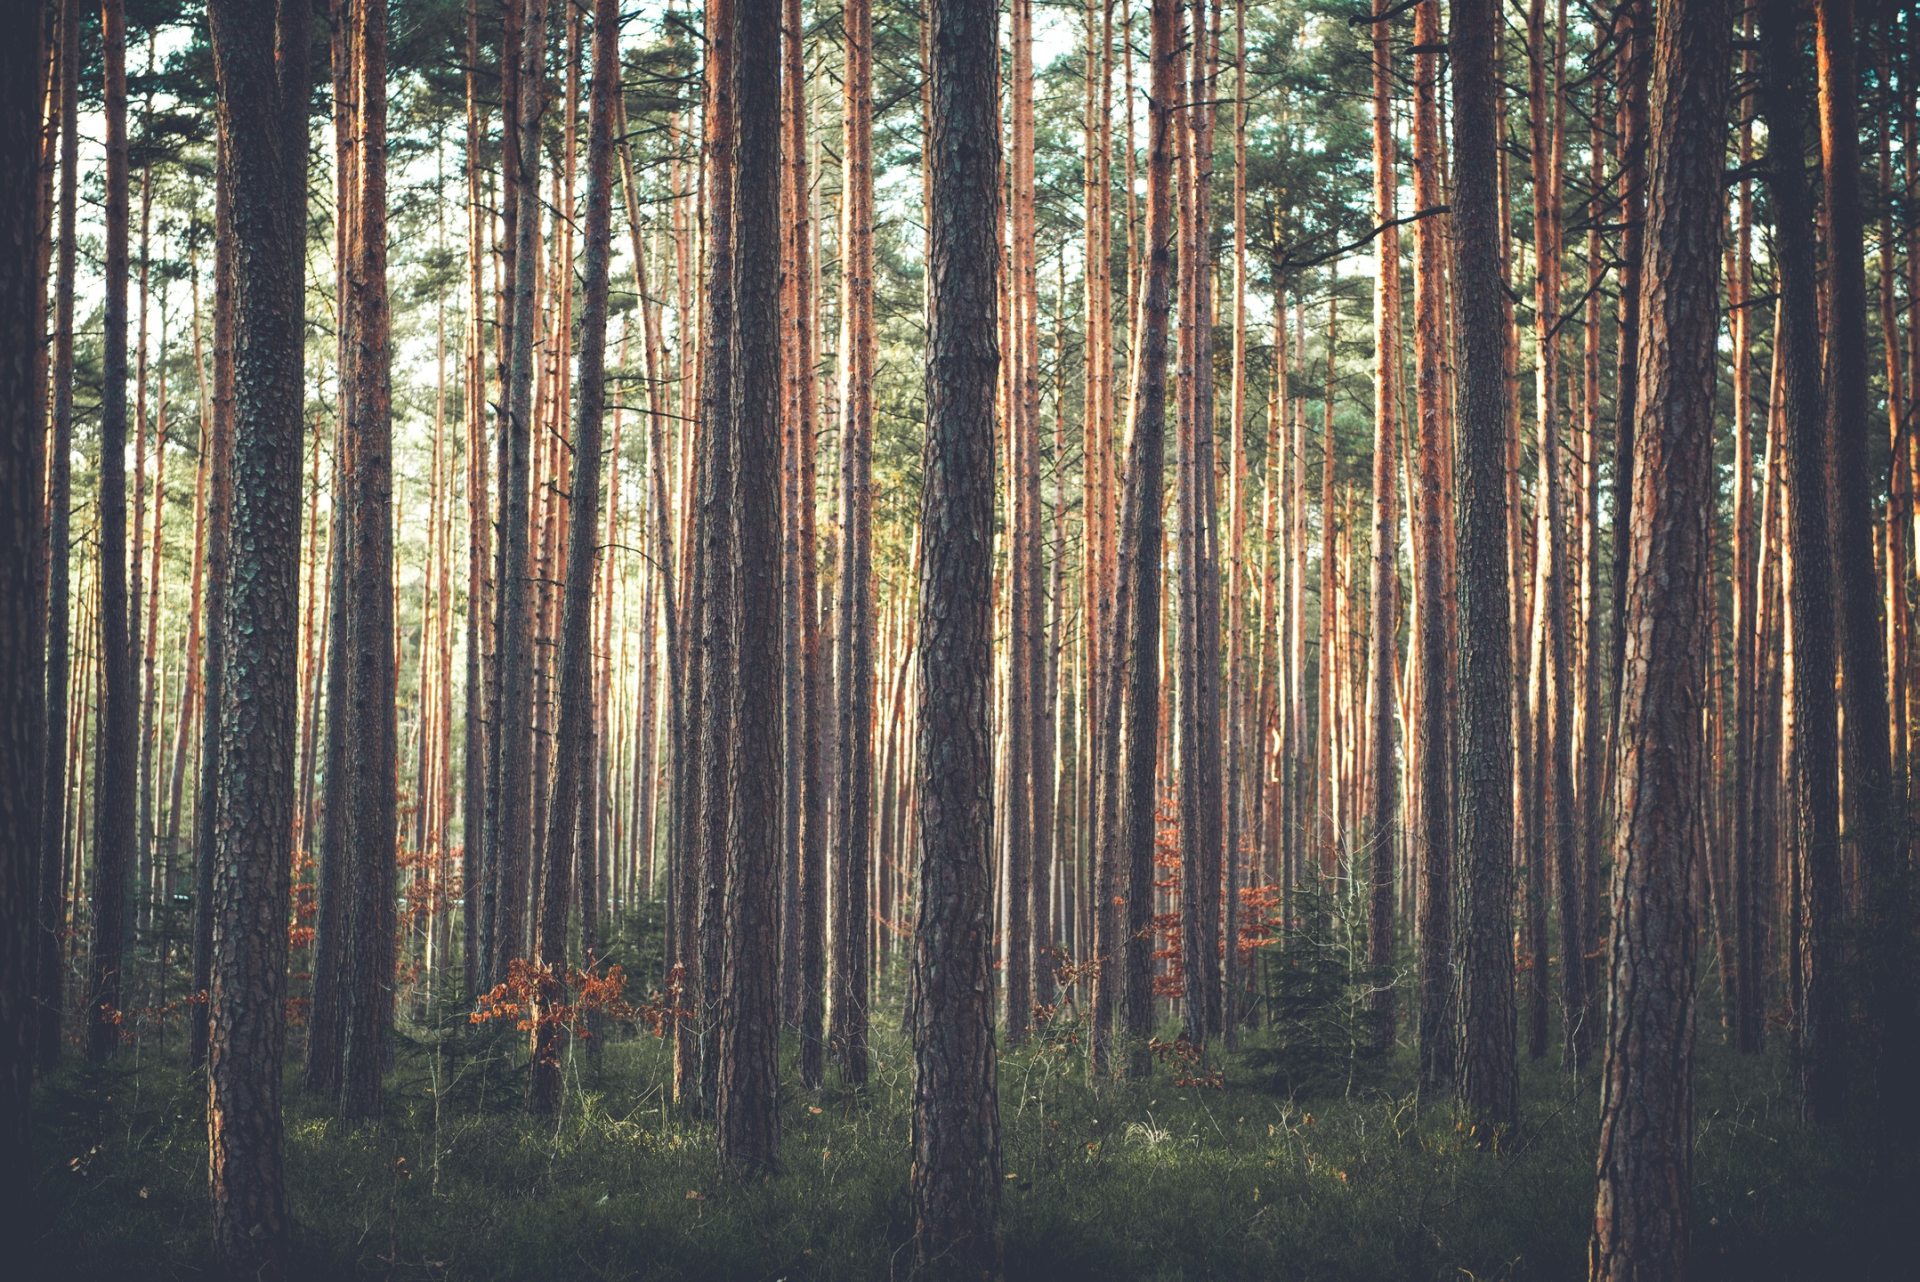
(1437, 1041)
(25, 66)
(853, 611)
(750, 1016)
(570, 812)
(48, 972)
(114, 783)
(954, 1185)
(1646, 1103)
(1487, 1072)
(260, 56)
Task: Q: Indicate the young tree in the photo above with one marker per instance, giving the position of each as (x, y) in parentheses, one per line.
(955, 1181)
(1646, 1104)
(1488, 1070)
(260, 64)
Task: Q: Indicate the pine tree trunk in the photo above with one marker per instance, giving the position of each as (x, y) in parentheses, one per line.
(954, 1186)
(114, 782)
(1875, 818)
(260, 56)
(1488, 1073)
(1383, 799)
(853, 612)
(1646, 1104)
(570, 809)
(370, 828)
(24, 70)
(49, 978)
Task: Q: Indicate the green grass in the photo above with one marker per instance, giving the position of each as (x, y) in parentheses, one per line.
(1134, 1180)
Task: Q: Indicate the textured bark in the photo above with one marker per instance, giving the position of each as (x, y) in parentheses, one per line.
(366, 991)
(853, 609)
(114, 782)
(1646, 1106)
(260, 61)
(570, 808)
(48, 976)
(1632, 31)
(748, 1098)
(1487, 1075)
(1437, 1043)
(1805, 444)
(954, 1185)
(24, 68)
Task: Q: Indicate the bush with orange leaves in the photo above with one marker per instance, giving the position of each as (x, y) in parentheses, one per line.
(576, 1000)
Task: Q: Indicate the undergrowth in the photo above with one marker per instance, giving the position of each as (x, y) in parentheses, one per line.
(1353, 1177)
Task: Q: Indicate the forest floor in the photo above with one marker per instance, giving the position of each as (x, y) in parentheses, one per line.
(1354, 1178)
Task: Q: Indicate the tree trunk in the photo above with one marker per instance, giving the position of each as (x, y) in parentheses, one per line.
(260, 56)
(954, 1185)
(49, 982)
(570, 811)
(1437, 1045)
(1875, 816)
(1488, 1071)
(114, 782)
(1646, 1103)
(853, 612)
(1383, 778)
(511, 839)
(24, 68)
(1805, 444)
(748, 1104)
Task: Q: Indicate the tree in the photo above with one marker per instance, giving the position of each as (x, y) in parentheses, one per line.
(1804, 444)
(1646, 1103)
(511, 837)
(366, 991)
(1488, 1071)
(1199, 579)
(1129, 716)
(570, 816)
(748, 1099)
(49, 980)
(114, 784)
(1875, 818)
(853, 609)
(1437, 1044)
(23, 84)
(1383, 818)
(955, 1182)
(260, 64)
